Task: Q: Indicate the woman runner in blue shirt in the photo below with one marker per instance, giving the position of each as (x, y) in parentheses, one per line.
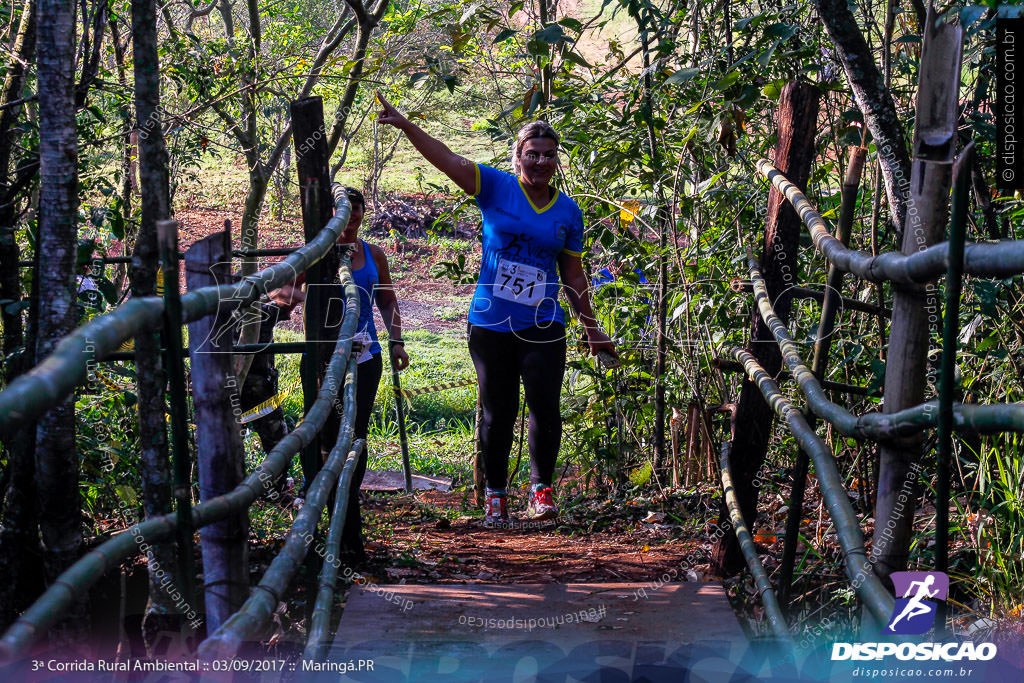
(532, 234)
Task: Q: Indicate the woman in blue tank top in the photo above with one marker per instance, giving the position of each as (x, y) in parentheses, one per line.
(532, 244)
(373, 279)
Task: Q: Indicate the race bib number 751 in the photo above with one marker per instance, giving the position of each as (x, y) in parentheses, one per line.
(520, 283)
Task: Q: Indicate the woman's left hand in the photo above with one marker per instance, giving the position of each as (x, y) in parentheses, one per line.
(400, 357)
(599, 341)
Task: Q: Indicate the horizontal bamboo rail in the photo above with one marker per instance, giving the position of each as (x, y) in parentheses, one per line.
(248, 622)
(877, 426)
(72, 585)
(739, 285)
(57, 375)
(257, 349)
(761, 580)
(728, 365)
(851, 539)
(982, 259)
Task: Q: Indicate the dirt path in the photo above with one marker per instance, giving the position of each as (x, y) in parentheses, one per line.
(431, 539)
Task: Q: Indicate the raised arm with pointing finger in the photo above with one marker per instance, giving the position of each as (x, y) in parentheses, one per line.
(459, 169)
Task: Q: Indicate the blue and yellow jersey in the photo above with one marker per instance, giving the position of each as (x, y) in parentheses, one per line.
(519, 282)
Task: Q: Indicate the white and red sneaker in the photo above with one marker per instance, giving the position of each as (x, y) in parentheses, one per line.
(495, 509)
(542, 505)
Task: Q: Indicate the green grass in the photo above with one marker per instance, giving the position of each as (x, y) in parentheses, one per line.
(439, 425)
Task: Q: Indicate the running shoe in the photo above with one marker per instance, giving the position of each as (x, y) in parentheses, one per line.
(542, 505)
(496, 509)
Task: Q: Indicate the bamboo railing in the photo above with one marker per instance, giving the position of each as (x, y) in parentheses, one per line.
(58, 375)
(954, 258)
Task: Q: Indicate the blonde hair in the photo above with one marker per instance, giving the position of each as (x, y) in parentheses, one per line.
(534, 129)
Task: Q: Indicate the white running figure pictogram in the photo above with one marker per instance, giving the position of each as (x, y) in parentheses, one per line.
(914, 608)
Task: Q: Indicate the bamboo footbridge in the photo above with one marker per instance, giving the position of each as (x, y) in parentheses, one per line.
(682, 614)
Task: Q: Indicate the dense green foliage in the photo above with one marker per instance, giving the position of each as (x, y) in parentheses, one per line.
(663, 109)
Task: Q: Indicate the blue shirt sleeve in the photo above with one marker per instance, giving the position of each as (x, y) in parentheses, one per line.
(488, 182)
(574, 236)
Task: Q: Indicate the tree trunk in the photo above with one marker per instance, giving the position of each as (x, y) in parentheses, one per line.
(794, 153)
(874, 100)
(545, 70)
(10, 278)
(218, 439)
(915, 308)
(259, 178)
(250, 321)
(60, 509)
(155, 471)
(662, 223)
(366, 22)
(17, 511)
(128, 155)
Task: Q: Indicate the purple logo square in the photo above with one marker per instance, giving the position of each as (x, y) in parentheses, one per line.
(914, 612)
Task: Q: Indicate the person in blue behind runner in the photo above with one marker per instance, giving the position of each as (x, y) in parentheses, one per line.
(373, 280)
(532, 248)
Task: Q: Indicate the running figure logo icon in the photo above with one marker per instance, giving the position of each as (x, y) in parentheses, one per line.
(914, 613)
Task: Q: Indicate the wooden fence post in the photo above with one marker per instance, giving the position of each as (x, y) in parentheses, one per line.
(219, 451)
(794, 152)
(915, 310)
(311, 164)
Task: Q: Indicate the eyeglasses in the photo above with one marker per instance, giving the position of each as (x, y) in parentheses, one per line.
(533, 157)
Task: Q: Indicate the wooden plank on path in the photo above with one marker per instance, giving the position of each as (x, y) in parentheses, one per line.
(393, 481)
(462, 630)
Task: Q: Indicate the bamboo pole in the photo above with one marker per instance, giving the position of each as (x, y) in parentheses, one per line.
(319, 636)
(947, 381)
(851, 540)
(738, 285)
(761, 580)
(822, 346)
(248, 622)
(726, 365)
(879, 426)
(403, 437)
(915, 311)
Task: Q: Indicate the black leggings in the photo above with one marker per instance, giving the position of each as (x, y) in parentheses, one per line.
(537, 354)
